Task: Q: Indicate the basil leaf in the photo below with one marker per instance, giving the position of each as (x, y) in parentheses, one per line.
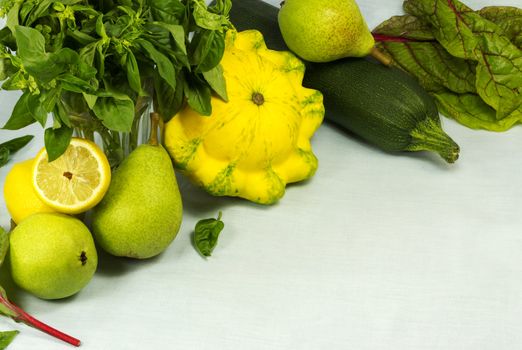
(133, 72)
(16, 144)
(198, 95)
(168, 11)
(206, 234)
(26, 111)
(165, 67)
(465, 34)
(216, 80)
(56, 141)
(208, 49)
(6, 337)
(30, 46)
(169, 100)
(115, 112)
(4, 156)
(208, 20)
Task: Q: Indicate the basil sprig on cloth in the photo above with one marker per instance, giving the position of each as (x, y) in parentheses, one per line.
(106, 58)
(471, 61)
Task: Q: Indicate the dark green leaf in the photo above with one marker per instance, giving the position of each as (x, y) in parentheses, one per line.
(165, 67)
(198, 95)
(168, 11)
(56, 141)
(133, 72)
(169, 100)
(206, 234)
(116, 113)
(26, 111)
(216, 80)
(16, 144)
(208, 50)
(4, 156)
(6, 337)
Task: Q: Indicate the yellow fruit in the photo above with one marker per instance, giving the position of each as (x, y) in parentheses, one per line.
(258, 141)
(76, 181)
(19, 195)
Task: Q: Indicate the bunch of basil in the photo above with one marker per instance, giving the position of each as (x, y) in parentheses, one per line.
(94, 65)
(470, 61)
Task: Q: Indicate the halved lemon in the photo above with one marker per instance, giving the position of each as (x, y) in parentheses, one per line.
(76, 181)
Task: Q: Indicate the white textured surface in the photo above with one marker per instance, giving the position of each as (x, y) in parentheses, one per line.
(377, 251)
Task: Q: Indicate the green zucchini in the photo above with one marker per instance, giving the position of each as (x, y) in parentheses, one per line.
(383, 105)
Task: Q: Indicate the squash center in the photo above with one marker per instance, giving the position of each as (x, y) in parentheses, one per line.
(258, 98)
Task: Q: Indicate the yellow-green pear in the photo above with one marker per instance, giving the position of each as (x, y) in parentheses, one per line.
(324, 31)
(52, 255)
(141, 212)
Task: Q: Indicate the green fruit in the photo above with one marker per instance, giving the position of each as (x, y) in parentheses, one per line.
(52, 255)
(141, 212)
(324, 31)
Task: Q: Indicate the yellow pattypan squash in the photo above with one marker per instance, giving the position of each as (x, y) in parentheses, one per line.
(258, 141)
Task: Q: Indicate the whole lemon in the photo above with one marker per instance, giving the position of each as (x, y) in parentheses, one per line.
(52, 255)
(19, 194)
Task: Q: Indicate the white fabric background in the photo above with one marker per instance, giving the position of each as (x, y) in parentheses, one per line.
(377, 251)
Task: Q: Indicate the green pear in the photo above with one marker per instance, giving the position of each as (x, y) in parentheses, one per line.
(52, 255)
(140, 215)
(324, 31)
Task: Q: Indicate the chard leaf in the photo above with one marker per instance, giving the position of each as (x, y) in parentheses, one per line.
(407, 27)
(471, 111)
(465, 34)
(56, 141)
(433, 66)
(508, 18)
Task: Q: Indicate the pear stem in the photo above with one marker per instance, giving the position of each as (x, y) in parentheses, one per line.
(380, 56)
(20, 315)
(154, 121)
